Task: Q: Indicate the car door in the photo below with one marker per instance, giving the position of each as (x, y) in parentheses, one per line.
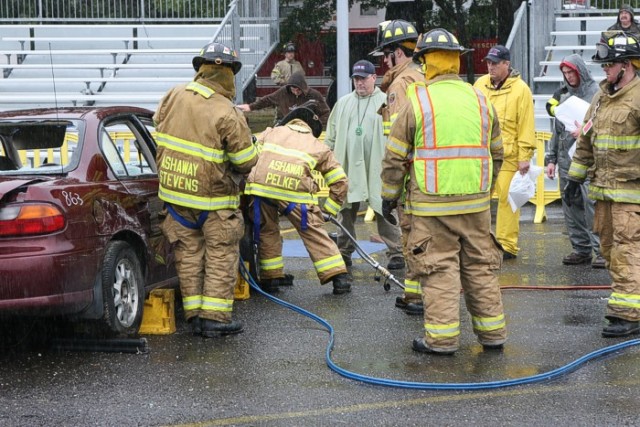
(130, 149)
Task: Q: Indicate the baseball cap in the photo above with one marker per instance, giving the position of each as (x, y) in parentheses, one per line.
(363, 68)
(498, 53)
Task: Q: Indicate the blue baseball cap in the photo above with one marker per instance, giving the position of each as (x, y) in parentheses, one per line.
(363, 68)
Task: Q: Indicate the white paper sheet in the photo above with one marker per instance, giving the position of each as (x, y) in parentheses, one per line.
(572, 110)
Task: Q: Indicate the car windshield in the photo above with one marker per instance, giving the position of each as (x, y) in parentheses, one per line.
(39, 147)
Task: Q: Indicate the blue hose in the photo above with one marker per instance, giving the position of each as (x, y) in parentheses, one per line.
(555, 373)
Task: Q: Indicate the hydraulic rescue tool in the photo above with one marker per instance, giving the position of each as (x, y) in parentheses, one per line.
(383, 272)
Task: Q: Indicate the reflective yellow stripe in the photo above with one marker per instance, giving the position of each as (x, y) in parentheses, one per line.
(578, 171)
(198, 202)
(620, 195)
(442, 331)
(277, 149)
(448, 208)
(192, 303)
(391, 191)
(201, 89)
(280, 194)
(386, 128)
(396, 146)
(334, 175)
(216, 304)
(614, 142)
(190, 148)
(625, 300)
(412, 287)
(243, 156)
(488, 323)
(272, 263)
(329, 263)
(330, 206)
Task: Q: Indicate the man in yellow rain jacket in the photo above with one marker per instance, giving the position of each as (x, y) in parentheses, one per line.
(513, 102)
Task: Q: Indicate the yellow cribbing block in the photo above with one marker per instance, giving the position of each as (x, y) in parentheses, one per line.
(370, 215)
(159, 317)
(241, 291)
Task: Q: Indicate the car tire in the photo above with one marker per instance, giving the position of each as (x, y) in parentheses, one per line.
(123, 289)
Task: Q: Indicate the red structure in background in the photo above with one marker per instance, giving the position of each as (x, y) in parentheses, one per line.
(481, 48)
(318, 60)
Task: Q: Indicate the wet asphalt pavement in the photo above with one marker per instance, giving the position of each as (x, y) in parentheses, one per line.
(275, 373)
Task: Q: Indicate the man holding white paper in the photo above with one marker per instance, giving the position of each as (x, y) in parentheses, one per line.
(578, 87)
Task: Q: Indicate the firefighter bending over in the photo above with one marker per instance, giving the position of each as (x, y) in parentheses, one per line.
(282, 183)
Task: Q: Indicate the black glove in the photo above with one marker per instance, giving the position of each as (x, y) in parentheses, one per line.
(387, 207)
(571, 193)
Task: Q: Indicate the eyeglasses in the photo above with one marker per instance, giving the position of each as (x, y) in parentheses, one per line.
(608, 64)
(386, 53)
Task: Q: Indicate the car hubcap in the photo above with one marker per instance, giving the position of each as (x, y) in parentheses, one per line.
(125, 293)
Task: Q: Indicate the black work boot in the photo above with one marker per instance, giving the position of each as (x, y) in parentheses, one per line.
(213, 328)
(287, 280)
(196, 325)
(341, 284)
(270, 286)
(620, 328)
(414, 308)
(421, 346)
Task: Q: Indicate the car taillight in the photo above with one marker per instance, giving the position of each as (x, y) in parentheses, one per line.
(30, 219)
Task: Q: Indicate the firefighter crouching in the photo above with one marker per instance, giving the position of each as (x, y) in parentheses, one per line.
(451, 133)
(281, 183)
(203, 142)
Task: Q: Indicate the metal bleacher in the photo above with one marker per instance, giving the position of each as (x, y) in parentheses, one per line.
(73, 64)
(572, 34)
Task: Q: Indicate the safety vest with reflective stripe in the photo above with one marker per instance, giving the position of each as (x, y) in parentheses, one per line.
(451, 156)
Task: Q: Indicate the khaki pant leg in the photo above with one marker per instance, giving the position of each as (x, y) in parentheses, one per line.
(412, 291)
(480, 257)
(507, 221)
(624, 260)
(222, 230)
(434, 257)
(324, 253)
(270, 246)
(189, 255)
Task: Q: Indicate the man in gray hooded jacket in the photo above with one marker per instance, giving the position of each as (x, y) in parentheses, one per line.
(579, 215)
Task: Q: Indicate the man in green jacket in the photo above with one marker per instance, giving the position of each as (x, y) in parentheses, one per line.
(355, 134)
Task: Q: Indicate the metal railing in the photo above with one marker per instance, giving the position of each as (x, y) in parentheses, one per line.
(66, 11)
(597, 4)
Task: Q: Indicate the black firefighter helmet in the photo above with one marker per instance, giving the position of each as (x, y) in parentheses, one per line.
(217, 53)
(305, 112)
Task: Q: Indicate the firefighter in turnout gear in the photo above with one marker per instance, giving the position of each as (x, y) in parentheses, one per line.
(282, 183)
(283, 70)
(450, 132)
(608, 154)
(396, 43)
(204, 146)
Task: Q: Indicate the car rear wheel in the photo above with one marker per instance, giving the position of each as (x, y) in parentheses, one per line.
(123, 289)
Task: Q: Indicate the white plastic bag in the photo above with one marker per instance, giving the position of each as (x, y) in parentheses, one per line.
(523, 187)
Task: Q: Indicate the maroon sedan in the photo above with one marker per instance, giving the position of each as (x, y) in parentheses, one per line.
(80, 215)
